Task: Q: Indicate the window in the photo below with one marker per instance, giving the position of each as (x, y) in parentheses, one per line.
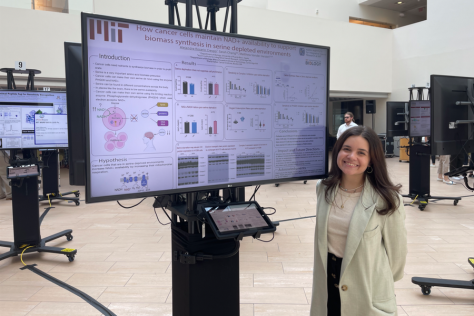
(60, 6)
(371, 23)
(51, 5)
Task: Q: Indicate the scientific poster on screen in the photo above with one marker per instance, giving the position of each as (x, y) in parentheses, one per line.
(172, 109)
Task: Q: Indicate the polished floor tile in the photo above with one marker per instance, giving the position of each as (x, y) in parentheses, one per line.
(124, 257)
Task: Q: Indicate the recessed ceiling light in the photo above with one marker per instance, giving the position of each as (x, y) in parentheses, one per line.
(400, 2)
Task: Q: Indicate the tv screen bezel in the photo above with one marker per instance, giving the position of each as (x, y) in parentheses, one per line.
(42, 147)
(85, 63)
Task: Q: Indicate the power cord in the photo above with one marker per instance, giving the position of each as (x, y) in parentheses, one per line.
(164, 211)
(267, 240)
(274, 210)
(132, 205)
(254, 192)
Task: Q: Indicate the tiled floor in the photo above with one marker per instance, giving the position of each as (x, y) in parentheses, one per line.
(124, 257)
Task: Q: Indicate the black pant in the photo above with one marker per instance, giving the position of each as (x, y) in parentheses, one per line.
(333, 277)
(433, 159)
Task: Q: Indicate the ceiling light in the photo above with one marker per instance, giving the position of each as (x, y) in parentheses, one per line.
(400, 2)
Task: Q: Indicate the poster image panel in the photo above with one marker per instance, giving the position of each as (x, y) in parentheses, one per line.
(175, 110)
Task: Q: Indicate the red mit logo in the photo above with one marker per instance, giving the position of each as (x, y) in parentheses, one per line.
(113, 30)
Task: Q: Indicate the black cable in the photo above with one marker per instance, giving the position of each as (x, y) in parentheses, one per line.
(294, 219)
(133, 205)
(200, 256)
(164, 211)
(154, 209)
(267, 240)
(271, 208)
(254, 192)
(88, 299)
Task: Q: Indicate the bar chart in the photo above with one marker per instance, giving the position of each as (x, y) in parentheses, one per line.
(290, 115)
(245, 85)
(199, 122)
(301, 88)
(198, 83)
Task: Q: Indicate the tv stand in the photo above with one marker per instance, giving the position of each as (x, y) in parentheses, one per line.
(26, 218)
(50, 179)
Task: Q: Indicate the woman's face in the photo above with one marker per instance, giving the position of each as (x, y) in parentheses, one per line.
(354, 158)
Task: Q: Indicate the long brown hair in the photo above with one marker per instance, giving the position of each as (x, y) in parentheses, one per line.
(379, 178)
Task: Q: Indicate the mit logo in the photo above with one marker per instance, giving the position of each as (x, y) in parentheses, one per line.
(112, 30)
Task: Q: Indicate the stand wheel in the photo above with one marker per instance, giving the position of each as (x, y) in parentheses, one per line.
(277, 184)
(426, 290)
(77, 203)
(305, 182)
(422, 207)
(76, 194)
(69, 237)
(70, 258)
(456, 202)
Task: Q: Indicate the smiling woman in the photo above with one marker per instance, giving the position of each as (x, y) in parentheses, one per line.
(361, 241)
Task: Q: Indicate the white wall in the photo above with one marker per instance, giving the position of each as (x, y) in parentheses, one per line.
(361, 56)
(443, 45)
(338, 10)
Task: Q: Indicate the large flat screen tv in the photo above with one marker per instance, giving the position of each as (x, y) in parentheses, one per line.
(396, 125)
(33, 119)
(445, 92)
(173, 110)
(76, 108)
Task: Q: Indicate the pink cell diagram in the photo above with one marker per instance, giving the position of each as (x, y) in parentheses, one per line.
(114, 119)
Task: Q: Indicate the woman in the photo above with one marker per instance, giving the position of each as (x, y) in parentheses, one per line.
(444, 168)
(361, 241)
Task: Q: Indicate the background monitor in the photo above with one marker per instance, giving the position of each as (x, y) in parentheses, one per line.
(444, 92)
(420, 118)
(395, 114)
(173, 110)
(33, 119)
(76, 109)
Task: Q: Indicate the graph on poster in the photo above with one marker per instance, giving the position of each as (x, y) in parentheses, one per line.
(199, 122)
(198, 83)
(245, 122)
(302, 88)
(248, 85)
(297, 115)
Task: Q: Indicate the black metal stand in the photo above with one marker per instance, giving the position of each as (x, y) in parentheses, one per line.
(197, 285)
(212, 8)
(419, 185)
(30, 84)
(419, 172)
(427, 283)
(26, 218)
(50, 179)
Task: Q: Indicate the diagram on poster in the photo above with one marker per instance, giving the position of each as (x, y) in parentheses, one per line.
(146, 132)
(290, 115)
(198, 83)
(300, 87)
(248, 121)
(199, 121)
(245, 85)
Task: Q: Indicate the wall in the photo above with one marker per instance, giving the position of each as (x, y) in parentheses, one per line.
(337, 10)
(356, 63)
(443, 45)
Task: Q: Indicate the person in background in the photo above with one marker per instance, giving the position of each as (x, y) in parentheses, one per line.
(443, 168)
(348, 123)
(5, 189)
(360, 243)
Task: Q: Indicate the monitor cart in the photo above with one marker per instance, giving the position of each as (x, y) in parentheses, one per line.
(23, 174)
(419, 170)
(50, 179)
(427, 283)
